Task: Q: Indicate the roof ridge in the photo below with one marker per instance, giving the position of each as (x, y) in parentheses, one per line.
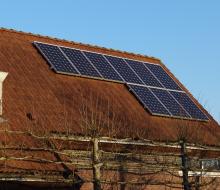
(78, 43)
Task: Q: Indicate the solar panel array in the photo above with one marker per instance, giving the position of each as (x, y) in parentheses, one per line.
(153, 87)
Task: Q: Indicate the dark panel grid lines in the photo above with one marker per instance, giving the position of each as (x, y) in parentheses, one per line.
(80, 62)
(153, 87)
(170, 103)
(163, 77)
(189, 105)
(148, 100)
(103, 66)
(56, 58)
(142, 71)
(124, 70)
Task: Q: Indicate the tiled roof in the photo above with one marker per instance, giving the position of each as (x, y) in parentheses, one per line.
(54, 100)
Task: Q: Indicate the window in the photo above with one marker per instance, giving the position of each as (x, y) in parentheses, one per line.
(210, 164)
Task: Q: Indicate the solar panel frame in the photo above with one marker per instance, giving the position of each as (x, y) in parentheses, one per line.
(124, 59)
(91, 63)
(170, 103)
(147, 77)
(114, 68)
(170, 84)
(143, 102)
(192, 111)
(108, 68)
(86, 76)
(117, 62)
(69, 60)
(73, 55)
(75, 72)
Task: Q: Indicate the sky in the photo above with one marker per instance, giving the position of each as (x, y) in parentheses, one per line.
(185, 35)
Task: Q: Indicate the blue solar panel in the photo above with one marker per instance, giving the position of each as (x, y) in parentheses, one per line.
(170, 103)
(80, 62)
(162, 76)
(56, 58)
(144, 73)
(154, 89)
(149, 101)
(124, 70)
(189, 105)
(103, 66)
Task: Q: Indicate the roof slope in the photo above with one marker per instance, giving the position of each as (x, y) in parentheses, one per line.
(35, 98)
(31, 87)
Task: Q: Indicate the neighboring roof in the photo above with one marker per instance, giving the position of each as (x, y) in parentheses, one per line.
(33, 93)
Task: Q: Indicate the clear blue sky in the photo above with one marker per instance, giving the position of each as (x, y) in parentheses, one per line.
(185, 35)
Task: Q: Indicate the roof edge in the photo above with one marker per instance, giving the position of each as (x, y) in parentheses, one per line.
(78, 43)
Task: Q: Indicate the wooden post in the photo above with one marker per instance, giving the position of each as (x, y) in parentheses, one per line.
(197, 180)
(185, 166)
(96, 165)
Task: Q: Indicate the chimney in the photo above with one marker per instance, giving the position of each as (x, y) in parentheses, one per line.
(3, 75)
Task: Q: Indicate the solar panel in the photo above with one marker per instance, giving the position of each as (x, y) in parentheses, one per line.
(170, 103)
(189, 105)
(124, 70)
(103, 66)
(162, 76)
(148, 100)
(142, 71)
(150, 83)
(80, 62)
(55, 58)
